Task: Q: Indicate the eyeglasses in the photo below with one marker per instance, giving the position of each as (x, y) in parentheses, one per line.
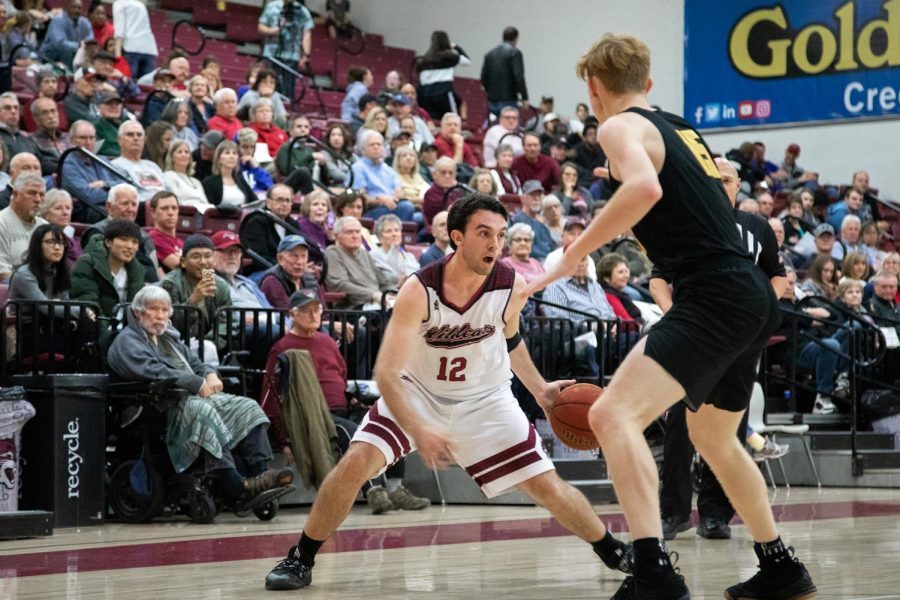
(281, 200)
(54, 243)
(133, 134)
(520, 240)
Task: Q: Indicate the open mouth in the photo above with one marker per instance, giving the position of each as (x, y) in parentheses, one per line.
(489, 260)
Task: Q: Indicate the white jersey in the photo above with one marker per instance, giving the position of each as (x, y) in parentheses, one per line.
(463, 355)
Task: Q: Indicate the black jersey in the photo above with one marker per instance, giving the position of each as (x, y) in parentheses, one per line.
(759, 240)
(692, 225)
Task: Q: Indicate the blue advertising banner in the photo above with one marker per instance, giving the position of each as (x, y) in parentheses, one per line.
(751, 62)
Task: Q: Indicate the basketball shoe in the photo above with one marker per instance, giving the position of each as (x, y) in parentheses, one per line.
(668, 586)
(790, 581)
(291, 573)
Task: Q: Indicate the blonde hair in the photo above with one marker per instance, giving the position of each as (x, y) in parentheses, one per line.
(314, 195)
(847, 283)
(220, 149)
(620, 62)
(400, 153)
(175, 145)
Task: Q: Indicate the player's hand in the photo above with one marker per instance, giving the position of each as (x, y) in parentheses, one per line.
(547, 399)
(434, 447)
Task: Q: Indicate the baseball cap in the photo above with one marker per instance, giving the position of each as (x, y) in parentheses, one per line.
(365, 99)
(292, 241)
(301, 298)
(85, 72)
(400, 99)
(224, 239)
(550, 116)
(561, 141)
(401, 134)
(212, 138)
(197, 240)
(163, 72)
(109, 97)
(532, 185)
(823, 228)
(794, 149)
(574, 223)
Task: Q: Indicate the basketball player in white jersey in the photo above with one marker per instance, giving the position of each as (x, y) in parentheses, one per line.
(444, 372)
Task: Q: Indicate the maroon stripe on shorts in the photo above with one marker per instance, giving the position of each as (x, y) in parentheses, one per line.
(504, 455)
(510, 467)
(375, 417)
(379, 432)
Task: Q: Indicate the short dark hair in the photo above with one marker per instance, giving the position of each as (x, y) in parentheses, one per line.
(121, 228)
(465, 207)
(356, 73)
(608, 264)
(154, 200)
(510, 34)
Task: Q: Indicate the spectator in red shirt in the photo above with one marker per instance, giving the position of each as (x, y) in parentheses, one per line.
(262, 118)
(225, 119)
(534, 165)
(164, 208)
(449, 141)
(100, 23)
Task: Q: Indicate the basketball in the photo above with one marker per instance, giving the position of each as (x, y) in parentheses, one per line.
(569, 416)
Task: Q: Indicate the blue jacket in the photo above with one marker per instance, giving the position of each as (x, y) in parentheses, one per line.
(64, 36)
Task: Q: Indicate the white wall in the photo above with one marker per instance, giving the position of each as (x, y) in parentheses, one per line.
(554, 35)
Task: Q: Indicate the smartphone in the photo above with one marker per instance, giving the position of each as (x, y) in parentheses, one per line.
(208, 273)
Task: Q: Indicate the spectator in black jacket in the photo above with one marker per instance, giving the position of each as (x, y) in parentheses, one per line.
(883, 305)
(436, 72)
(503, 74)
(261, 234)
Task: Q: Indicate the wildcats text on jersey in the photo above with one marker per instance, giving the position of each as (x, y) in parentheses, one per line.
(455, 336)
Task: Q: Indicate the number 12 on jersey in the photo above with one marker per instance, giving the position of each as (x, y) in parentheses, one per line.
(457, 366)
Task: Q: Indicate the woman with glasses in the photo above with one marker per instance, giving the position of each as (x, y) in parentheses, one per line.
(574, 198)
(45, 276)
(519, 238)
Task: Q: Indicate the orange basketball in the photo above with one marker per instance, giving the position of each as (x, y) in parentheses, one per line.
(569, 416)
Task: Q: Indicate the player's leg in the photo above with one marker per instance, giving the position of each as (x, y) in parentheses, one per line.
(378, 442)
(712, 427)
(500, 450)
(574, 512)
(639, 392)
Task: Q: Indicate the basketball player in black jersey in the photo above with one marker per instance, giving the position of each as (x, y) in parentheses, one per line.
(703, 352)
(676, 491)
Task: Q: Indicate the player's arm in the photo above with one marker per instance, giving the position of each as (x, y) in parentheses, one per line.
(622, 138)
(400, 338)
(544, 393)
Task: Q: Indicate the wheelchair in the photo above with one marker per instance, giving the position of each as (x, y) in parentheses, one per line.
(142, 483)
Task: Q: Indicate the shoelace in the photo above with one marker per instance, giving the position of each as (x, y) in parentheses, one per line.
(290, 563)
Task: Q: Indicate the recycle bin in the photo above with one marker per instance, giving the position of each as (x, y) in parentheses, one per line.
(63, 449)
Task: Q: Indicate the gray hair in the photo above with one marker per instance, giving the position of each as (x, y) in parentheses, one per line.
(519, 228)
(52, 198)
(341, 222)
(261, 102)
(10, 96)
(148, 294)
(114, 191)
(34, 106)
(364, 136)
(509, 109)
(221, 93)
(503, 148)
(128, 123)
(25, 179)
(385, 220)
(444, 161)
(550, 200)
(850, 219)
(449, 116)
(19, 158)
(81, 123)
(247, 136)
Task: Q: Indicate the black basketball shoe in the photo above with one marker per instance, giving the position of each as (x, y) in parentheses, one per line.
(784, 582)
(291, 573)
(669, 586)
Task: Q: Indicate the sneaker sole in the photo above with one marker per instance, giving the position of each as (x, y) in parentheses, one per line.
(263, 498)
(282, 587)
(719, 535)
(803, 596)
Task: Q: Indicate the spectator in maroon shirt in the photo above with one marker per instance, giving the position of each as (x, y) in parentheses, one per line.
(305, 311)
(164, 208)
(449, 141)
(534, 165)
(436, 199)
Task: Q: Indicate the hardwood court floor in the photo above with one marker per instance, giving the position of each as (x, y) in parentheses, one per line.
(849, 539)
